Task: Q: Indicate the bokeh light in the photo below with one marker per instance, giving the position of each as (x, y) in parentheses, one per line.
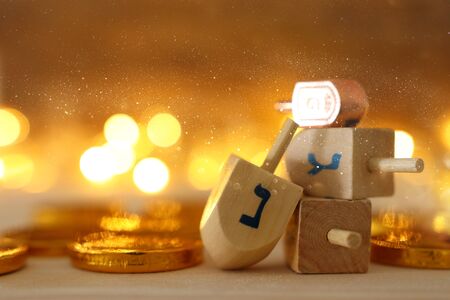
(97, 164)
(404, 144)
(203, 172)
(121, 129)
(151, 175)
(441, 222)
(123, 157)
(14, 126)
(164, 130)
(18, 171)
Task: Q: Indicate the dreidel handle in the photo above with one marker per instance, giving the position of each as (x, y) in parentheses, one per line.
(399, 165)
(280, 145)
(345, 238)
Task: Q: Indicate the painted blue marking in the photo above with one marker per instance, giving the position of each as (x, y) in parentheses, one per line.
(317, 167)
(253, 222)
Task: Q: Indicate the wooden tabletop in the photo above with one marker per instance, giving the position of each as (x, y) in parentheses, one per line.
(55, 278)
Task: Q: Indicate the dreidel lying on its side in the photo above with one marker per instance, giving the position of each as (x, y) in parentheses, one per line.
(331, 103)
(248, 210)
(347, 163)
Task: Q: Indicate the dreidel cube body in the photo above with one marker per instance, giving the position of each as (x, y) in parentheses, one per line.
(329, 236)
(247, 212)
(346, 163)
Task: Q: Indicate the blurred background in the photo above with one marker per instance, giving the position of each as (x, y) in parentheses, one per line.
(148, 98)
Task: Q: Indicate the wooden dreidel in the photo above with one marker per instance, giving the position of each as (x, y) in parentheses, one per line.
(346, 163)
(329, 236)
(331, 103)
(248, 210)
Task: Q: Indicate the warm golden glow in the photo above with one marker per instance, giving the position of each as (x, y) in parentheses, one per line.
(44, 177)
(164, 130)
(446, 134)
(161, 225)
(259, 158)
(2, 168)
(163, 209)
(151, 175)
(123, 157)
(441, 222)
(9, 127)
(97, 164)
(404, 144)
(203, 172)
(17, 171)
(121, 222)
(121, 129)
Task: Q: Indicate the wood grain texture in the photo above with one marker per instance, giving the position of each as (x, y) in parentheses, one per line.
(307, 249)
(354, 147)
(230, 243)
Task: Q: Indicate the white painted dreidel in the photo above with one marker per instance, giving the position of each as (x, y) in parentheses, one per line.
(248, 210)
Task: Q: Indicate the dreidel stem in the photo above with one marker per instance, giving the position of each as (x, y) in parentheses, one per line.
(398, 165)
(279, 146)
(344, 238)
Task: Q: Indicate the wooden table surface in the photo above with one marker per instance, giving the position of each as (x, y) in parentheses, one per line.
(55, 278)
(50, 278)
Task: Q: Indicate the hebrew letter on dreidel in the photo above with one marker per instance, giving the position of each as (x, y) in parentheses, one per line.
(253, 222)
(317, 167)
(231, 235)
(364, 168)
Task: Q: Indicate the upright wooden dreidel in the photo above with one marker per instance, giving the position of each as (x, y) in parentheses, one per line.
(247, 212)
(329, 236)
(346, 163)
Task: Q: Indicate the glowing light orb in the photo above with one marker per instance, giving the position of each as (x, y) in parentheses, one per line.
(203, 173)
(404, 144)
(121, 129)
(17, 171)
(441, 222)
(123, 157)
(9, 127)
(151, 175)
(97, 164)
(164, 130)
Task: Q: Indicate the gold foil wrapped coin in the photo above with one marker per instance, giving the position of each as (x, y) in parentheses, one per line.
(13, 255)
(45, 241)
(134, 253)
(427, 250)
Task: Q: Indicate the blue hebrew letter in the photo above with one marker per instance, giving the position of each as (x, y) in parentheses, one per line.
(253, 222)
(317, 167)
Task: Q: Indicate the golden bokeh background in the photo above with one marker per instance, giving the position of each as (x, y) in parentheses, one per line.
(101, 87)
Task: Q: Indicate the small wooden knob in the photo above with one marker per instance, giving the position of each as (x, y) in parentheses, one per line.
(344, 238)
(399, 165)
